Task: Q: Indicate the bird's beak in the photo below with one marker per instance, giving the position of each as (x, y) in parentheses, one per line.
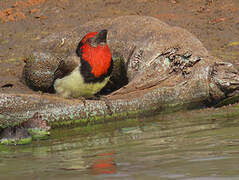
(101, 36)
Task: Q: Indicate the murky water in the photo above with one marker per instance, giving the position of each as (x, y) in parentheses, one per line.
(181, 146)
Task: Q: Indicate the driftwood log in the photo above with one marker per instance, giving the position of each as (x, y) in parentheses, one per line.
(158, 68)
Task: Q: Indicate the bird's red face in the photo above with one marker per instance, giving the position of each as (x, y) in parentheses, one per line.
(96, 52)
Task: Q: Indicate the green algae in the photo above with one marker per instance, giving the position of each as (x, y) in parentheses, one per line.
(16, 141)
(101, 119)
(35, 134)
(38, 133)
(137, 124)
(154, 110)
(90, 130)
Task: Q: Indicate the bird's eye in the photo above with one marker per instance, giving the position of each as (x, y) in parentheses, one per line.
(89, 40)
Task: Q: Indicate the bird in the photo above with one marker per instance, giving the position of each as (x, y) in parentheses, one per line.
(92, 70)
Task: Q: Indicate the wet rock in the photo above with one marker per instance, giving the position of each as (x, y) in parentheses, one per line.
(15, 136)
(33, 128)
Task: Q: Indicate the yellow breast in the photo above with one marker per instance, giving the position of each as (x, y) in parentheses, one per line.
(73, 85)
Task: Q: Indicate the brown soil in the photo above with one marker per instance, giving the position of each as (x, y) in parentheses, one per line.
(23, 23)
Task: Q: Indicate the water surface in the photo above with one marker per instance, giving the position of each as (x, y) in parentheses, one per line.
(194, 145)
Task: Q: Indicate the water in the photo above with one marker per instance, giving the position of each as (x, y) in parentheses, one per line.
(194, 145)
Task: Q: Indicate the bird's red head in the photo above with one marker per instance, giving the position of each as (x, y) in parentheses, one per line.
(95, 51)
(88, 36)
